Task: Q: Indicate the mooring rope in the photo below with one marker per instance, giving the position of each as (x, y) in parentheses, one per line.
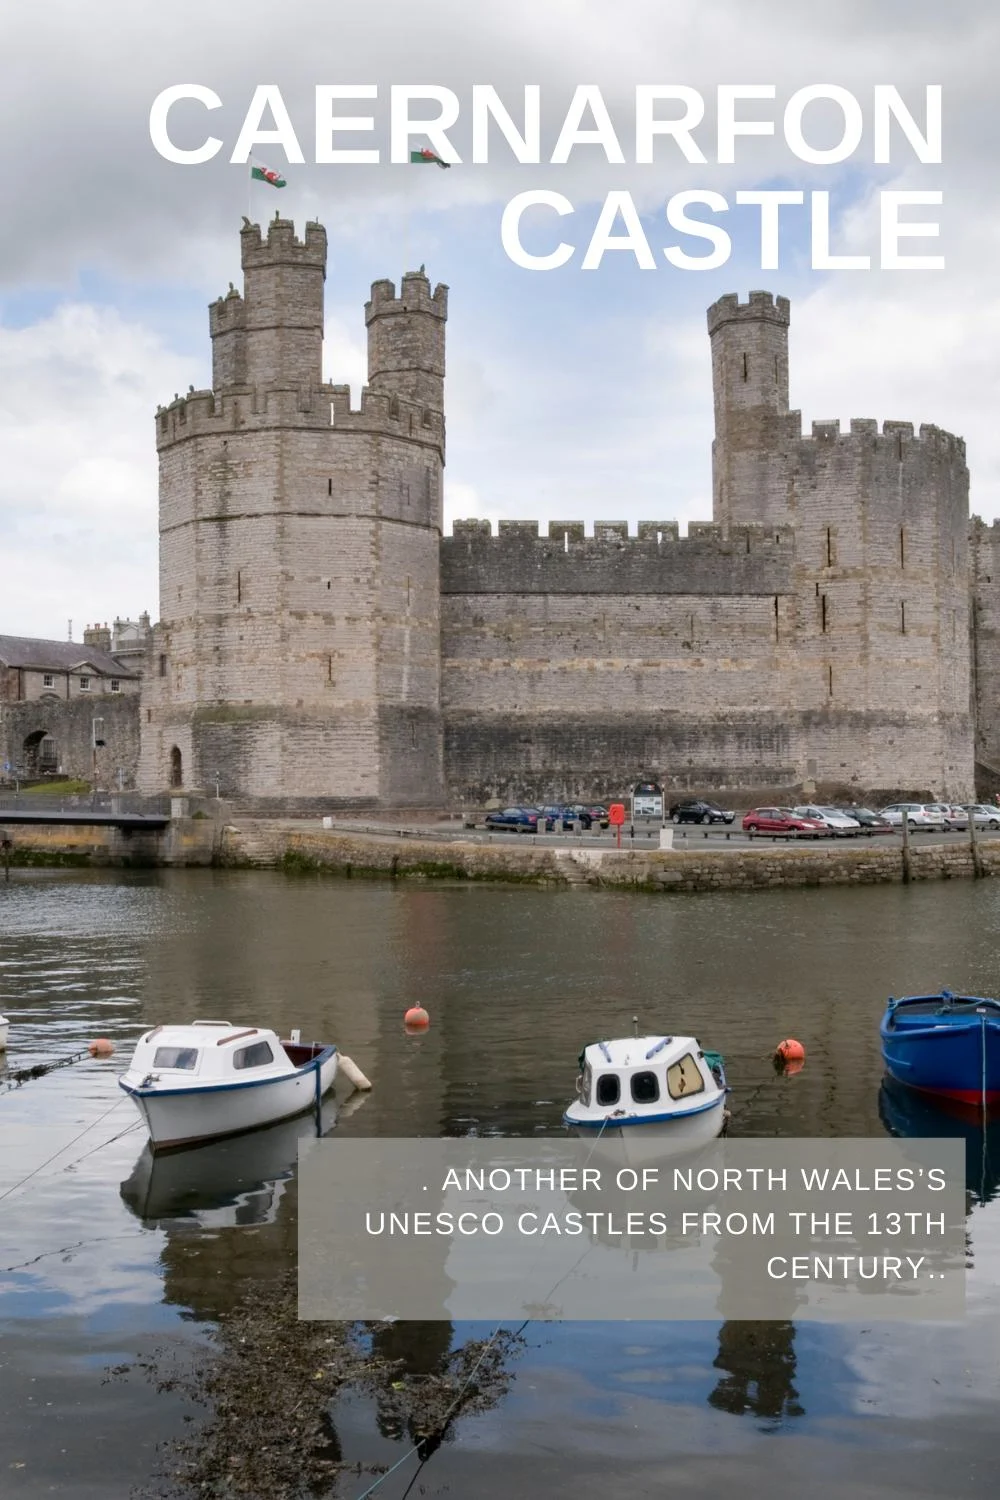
(79, 1137)
(18, 1076)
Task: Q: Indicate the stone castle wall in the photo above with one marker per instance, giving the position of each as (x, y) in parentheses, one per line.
(321, 641)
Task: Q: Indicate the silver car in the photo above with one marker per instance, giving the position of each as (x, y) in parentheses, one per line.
(983, 815)
(834, 821)
(916, 814)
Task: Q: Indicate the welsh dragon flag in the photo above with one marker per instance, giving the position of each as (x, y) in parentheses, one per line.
(427, 155)
(264, 174)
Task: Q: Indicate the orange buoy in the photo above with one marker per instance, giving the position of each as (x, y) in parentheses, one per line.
(416, 1019)
(101, 1048)
(790, 1051)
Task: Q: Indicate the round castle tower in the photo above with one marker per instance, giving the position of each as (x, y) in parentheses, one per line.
(297, 654)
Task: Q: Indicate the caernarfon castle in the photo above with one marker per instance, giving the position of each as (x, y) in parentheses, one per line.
(833, 630)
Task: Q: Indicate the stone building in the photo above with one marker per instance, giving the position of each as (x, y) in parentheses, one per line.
(68, 708)
(322, 644)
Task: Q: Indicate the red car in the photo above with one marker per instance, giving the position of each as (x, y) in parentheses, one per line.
(781, 820)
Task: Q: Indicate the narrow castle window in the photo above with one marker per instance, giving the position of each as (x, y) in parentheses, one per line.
(829, 681)
(822, 613)
(413, 733)
(902, 617)
(329, 486)
(163, 665)
(746, 367)
(829, 548)
(902, 547)
(239, 587)
(775, 617)
(329, 669)
(394, 408)
(899, 446)
(149, 716)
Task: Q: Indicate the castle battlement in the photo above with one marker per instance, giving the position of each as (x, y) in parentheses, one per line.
(613, 536)
(868, 427)
(227, 313)
(414, 296)
(207, 413)
(759, 307)
(282, 244)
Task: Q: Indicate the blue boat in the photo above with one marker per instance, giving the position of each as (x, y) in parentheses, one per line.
(946, 1045)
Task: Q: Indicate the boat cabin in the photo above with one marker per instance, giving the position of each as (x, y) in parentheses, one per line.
(646, 1075)
(213, 1052)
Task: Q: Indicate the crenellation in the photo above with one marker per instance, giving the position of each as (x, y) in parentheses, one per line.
(321, 638)
(519, 529)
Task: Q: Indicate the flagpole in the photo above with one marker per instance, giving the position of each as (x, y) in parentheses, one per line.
(249, 187)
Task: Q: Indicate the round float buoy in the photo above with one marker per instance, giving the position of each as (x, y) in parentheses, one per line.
(789, 1051)
(416, 1019)
(101, 1048)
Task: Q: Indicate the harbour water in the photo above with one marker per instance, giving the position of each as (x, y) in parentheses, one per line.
(104, 1260)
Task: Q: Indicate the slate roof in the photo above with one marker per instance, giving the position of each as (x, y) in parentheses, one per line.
(59, 656)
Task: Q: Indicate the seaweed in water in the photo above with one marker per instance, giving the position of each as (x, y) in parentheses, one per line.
(268, 1386)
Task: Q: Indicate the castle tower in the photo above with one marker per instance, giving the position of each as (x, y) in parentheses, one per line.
(406, 339)
(752, 420)
(296, 664)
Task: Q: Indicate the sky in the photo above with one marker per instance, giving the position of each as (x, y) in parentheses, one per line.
(571, 393)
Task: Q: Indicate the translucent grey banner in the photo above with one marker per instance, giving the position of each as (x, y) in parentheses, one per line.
(822, 1230)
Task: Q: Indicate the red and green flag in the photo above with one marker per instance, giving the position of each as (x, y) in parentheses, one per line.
(427, 155)
(264, 174)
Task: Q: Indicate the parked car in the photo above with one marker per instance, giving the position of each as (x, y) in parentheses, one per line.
(870, 822)
(836, 823)
(700, 812)
(781, 820)
(983, 815)
(587, 815)
(917, 815)
(516, 819)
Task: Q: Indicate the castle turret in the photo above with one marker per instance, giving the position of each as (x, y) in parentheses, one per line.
(283, 280)
(752, 420)
(406, 339)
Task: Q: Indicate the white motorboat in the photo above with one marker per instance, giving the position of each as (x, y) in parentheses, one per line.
(212, 1079)
(650, 1091)
(4, 1029)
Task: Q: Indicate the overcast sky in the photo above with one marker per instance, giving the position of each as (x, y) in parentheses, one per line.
(571, 393)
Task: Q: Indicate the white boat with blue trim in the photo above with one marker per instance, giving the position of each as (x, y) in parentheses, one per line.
(653, 1089)
(211, 1079)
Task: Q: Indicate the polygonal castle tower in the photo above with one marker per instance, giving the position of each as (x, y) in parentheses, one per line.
(296, 661)
(879, 675)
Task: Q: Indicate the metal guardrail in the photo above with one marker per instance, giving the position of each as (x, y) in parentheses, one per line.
(101, 802)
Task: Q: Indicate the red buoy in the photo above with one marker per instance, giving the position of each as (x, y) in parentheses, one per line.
(101, 1048)
(790, 1051)
(416, 1019)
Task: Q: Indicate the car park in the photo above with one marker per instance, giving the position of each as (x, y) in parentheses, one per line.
(781, 821)
(838, 824)
(700, 812)
(916, 814)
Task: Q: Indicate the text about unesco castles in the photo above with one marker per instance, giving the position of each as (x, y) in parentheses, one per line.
(632, 1228)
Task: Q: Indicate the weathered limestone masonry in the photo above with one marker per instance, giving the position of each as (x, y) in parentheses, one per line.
(297, 656)
(321, 646)
(814, 636)
(984, 645)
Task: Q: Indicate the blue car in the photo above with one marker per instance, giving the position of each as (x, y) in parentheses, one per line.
(516, 819)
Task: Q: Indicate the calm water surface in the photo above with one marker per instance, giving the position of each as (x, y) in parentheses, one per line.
(101, 1259)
